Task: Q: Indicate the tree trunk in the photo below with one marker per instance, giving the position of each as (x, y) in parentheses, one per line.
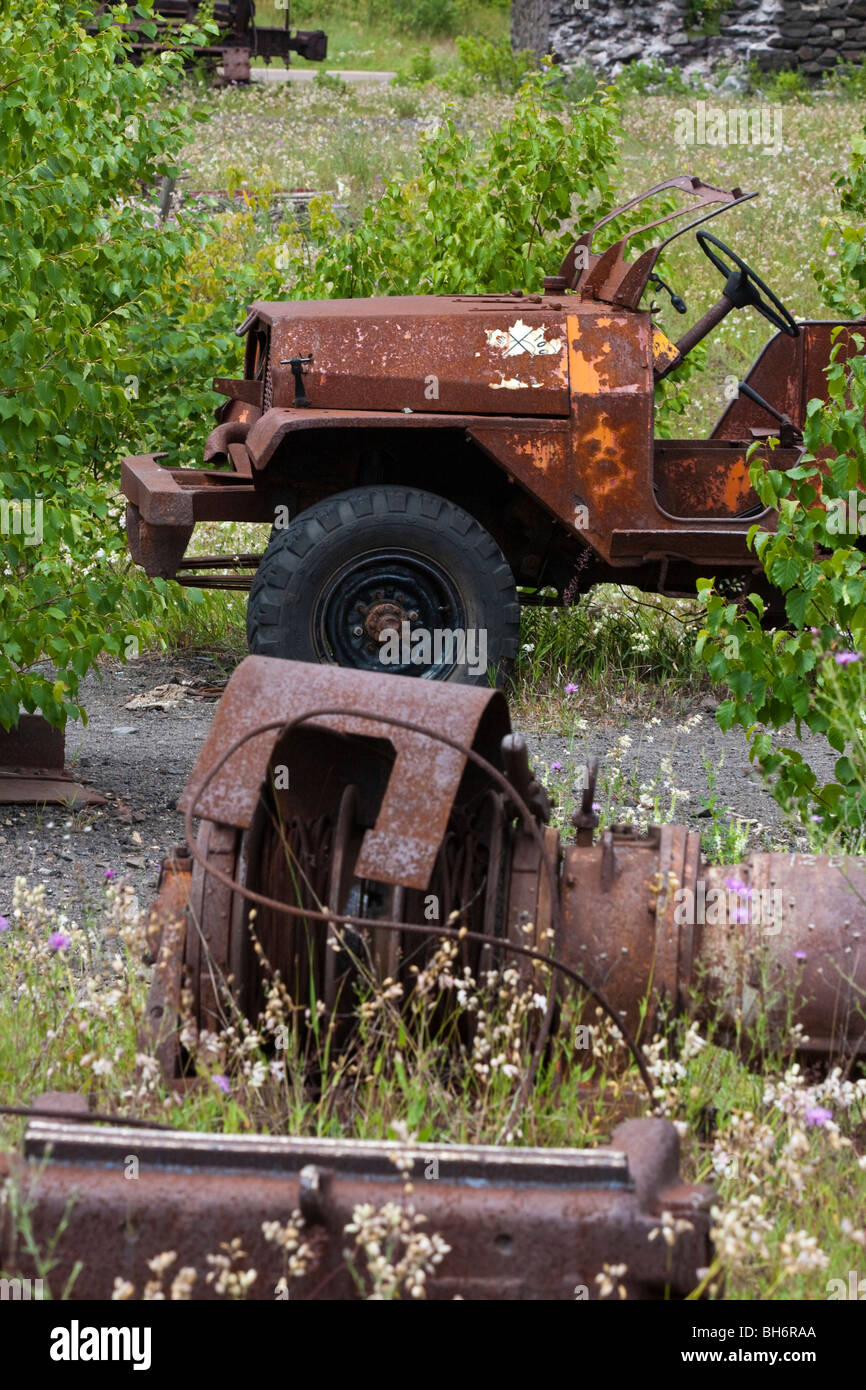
(530, 26)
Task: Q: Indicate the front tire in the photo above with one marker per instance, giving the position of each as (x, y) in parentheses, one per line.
(387, 579)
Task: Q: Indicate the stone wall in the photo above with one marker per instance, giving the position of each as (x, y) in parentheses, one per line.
(810, 34)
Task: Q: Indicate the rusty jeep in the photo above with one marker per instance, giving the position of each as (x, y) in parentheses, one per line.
(429, 462)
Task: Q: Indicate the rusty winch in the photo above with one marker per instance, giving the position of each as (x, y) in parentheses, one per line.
(367, 816)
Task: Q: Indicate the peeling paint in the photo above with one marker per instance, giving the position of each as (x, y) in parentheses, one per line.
(513, 384)
(585, 379)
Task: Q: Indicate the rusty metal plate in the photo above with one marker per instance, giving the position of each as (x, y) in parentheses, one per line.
(403, 844)
(480, 354)
(32, 767)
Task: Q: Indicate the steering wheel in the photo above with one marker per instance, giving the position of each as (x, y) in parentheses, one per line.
(743, 285)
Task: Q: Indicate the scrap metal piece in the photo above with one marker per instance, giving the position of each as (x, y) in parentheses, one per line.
(524, 1224)
(776, 941)
(401, 847)
(239, 38)
(32, 767)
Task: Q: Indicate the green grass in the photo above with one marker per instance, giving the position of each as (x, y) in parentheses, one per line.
(379, 45)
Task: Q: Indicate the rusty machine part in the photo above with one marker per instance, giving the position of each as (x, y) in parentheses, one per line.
(239, 40)
(521, 1223)
(337, 802)
(32, 767)
(345, 813)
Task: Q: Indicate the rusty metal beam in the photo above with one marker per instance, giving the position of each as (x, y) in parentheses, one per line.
(525, 1224)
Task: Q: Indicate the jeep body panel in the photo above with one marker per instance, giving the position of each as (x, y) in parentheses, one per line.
(462, 354)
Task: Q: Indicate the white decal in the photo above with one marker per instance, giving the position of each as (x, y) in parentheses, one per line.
(522, 338)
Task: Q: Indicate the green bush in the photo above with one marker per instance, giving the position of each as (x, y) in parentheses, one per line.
(788, 85)
(485, 64)
(421, 69)
(812, 671)
(480, 215)
(842, 272)
(848, 80)
(578, 83)
(426, 16)
(81, 261)
(648, 75)
(189, 336)
(704, 15)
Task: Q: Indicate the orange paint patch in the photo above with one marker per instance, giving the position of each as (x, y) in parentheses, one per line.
(737, 486)
(583, 374)
(544, 452)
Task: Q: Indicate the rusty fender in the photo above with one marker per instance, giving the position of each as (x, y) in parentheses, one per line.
(521, 1223)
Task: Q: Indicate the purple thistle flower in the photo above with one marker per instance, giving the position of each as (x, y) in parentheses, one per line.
(736, 885)
(556, 767)
(4, 923)
(800, 955)
(843, 658)
(571, 688)
(109, 873)
(58, 941)
(222, 1082)
(818, 1116)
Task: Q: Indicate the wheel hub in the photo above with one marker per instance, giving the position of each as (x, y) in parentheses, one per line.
(385, 617)
(385, 595)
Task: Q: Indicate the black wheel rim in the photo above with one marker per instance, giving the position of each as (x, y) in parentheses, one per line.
(375, 612)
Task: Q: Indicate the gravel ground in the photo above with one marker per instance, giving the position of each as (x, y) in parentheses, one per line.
(140, 759)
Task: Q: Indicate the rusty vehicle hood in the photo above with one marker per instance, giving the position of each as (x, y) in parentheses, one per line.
(477, 354)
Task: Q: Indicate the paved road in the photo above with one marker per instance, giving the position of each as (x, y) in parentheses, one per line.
(280, 74)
